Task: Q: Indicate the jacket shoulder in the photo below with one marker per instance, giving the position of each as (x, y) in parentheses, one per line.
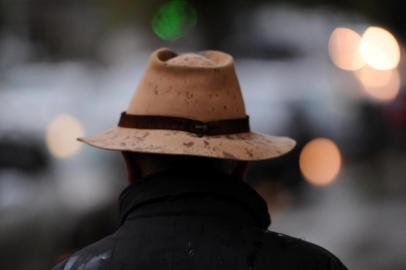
(293, 253)
(96, 256)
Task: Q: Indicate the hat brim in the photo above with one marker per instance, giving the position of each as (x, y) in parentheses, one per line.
(248, 146)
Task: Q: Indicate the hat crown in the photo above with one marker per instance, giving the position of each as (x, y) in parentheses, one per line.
(200, 86)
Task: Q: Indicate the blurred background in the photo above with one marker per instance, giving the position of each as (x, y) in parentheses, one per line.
(329, 73)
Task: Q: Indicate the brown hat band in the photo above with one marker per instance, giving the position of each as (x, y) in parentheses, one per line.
(211, 128)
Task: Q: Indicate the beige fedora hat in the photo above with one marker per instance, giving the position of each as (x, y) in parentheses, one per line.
(189, 104)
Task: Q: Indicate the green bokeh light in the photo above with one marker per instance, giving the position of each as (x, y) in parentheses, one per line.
(174, 19)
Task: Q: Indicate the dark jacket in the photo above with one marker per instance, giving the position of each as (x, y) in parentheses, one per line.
(187, 222)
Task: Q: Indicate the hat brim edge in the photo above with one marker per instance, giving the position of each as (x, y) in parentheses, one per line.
(278, 146)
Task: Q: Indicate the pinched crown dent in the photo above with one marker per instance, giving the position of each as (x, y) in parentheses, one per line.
(204, 59)
(191, 59)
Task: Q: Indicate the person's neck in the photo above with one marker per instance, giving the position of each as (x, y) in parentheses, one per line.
(174, 171)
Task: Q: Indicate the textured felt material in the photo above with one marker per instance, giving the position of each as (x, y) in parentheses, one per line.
(202, 87)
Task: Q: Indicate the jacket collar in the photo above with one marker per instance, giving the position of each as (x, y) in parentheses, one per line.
(169, 185)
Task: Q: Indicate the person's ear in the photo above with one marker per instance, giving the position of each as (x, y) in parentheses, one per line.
(133, 170)
(240, 169)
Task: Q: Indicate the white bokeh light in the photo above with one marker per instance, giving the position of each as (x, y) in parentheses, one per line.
(379, 49)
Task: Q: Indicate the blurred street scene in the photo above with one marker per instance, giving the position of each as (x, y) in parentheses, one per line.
(330, 74)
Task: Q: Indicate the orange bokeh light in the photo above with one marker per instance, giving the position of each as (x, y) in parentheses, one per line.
(61, 136)
(344, 49)
(320, 161)
(381, 85)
